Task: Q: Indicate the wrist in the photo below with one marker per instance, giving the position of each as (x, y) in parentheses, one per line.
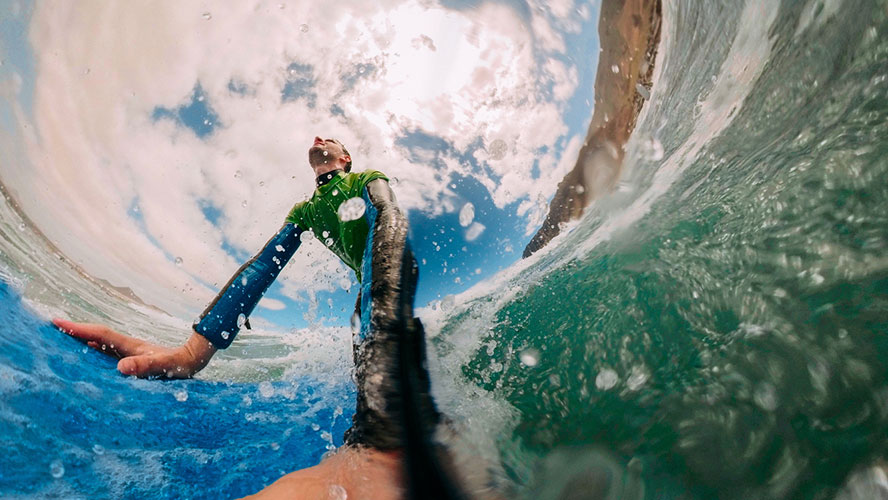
(198, 350)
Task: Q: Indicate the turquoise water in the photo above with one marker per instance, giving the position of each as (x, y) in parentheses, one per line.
(725, 336)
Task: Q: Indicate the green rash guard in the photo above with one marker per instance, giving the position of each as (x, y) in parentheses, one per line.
(320, 215)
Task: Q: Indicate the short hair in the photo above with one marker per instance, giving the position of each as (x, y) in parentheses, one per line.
(348, 166)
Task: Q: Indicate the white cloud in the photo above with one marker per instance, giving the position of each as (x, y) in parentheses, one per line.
(456, 75)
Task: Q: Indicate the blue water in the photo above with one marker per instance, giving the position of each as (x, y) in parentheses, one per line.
(63, 405)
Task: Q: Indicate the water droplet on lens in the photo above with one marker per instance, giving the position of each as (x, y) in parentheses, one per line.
(303, 28)
(530, 357)
(178, 261)
(637, 378)
(474, 231)
(266, 389)
(497, 149)
(765, 396)
(466, 214)
(337, 493)
(652, 149)
(352, 209)
(306, 236)
(606, 379)
(57, 469)
(181, 395)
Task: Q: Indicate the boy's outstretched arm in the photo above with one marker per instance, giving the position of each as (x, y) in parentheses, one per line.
(215, 329)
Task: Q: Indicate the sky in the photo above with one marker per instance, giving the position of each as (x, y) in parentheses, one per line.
(164, 142)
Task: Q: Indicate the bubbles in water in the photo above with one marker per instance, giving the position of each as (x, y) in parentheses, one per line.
(244, 281)
(394, 181)
(466, 214)
(352, 209)
(282, 6)
(181, 395)
(207, 16)
(474, 231)
(765, 396)
(244, 203)
(241, 320)
(337, 493)
(652, 149)
(57, 469)
(325, 234)
(303, 28)
(497, 149)
(328, 241)
(334, 192)
(530, 357)
(178, 261)
(225, 335)
(238, 174)
(615, 69)
(606, 379)
(643, 91)
(98, 449)
(279, 248)
(22, 226)
(266, 389)
(306, 236)
(315, 427)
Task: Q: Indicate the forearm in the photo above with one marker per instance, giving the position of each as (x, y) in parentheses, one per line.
(229, 311)
(390, 271)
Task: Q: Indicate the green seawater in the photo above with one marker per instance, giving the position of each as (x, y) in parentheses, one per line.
(718, 328)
